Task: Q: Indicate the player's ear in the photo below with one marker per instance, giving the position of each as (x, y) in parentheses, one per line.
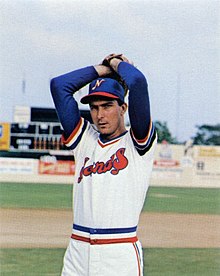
(124, 107)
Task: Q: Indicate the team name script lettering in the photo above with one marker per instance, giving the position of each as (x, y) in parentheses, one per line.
(116, 163)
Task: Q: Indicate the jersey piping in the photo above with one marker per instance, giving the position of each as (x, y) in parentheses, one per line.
(112, 141)
(145, 144)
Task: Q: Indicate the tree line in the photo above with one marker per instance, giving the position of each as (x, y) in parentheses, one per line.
(205, 134)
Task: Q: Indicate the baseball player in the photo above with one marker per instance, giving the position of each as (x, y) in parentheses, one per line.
(113, 165)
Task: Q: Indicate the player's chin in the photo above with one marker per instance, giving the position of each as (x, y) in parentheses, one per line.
(104, 131)
(102, 128)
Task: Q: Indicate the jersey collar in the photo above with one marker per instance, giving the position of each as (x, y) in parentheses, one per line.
(114, 140)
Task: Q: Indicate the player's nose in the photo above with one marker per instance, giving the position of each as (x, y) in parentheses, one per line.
(100, 113)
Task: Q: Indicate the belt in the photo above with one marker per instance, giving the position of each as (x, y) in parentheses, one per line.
(104, 235)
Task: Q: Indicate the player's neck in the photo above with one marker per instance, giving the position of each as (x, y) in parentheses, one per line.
(106, 138)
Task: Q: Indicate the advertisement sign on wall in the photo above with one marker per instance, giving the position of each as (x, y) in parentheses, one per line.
(207, 163)
(18, 166)
(167, 162)
(4, 136)
(50, 165)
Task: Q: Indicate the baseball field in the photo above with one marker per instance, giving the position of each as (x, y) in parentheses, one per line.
(179, 229)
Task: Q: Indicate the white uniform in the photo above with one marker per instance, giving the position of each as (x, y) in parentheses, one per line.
(111, 181)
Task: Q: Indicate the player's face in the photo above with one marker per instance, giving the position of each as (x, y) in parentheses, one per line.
(108, 117)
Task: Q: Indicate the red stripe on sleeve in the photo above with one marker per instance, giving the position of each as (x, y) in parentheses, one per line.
(66, 141)
(146, 138)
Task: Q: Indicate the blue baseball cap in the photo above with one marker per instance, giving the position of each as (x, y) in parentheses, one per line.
(105, 87)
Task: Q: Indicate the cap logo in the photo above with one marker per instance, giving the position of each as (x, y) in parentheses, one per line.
(97, 84)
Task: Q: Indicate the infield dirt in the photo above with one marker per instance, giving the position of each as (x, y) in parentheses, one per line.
(27, 228)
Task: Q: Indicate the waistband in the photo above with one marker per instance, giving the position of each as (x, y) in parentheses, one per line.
(104, 235)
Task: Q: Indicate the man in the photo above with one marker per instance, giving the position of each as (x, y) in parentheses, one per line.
(113, 166)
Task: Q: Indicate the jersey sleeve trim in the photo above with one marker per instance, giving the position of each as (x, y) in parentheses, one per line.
(76, 135)
(143, 141)
(144, 145)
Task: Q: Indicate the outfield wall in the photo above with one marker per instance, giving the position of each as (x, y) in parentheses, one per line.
(174, 165)
(188, 166)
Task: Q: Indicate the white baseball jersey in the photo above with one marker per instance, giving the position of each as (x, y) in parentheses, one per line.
(111, 181)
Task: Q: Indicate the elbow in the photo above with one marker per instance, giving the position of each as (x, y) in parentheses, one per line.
(52, 82)
(54, 85)
(138, 80)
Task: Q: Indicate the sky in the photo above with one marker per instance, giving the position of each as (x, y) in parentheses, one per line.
(175, 43)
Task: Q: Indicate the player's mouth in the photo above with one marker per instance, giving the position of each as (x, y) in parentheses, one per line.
(102, 125)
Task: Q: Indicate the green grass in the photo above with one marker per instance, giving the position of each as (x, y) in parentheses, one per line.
(183, 200)
(182, 262)
(157, 262)
(159, 199)
(34, 261)
(29, 195)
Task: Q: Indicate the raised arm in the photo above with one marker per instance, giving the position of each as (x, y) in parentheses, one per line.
(63, 89)
(138, 101)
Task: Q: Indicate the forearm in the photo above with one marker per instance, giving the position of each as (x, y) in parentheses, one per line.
(102, 70)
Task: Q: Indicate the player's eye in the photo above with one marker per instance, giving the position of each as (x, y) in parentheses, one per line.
(92, 107)
(108, 105)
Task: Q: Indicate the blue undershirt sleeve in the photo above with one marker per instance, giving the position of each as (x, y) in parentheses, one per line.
(62, 90)
(138, 100)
